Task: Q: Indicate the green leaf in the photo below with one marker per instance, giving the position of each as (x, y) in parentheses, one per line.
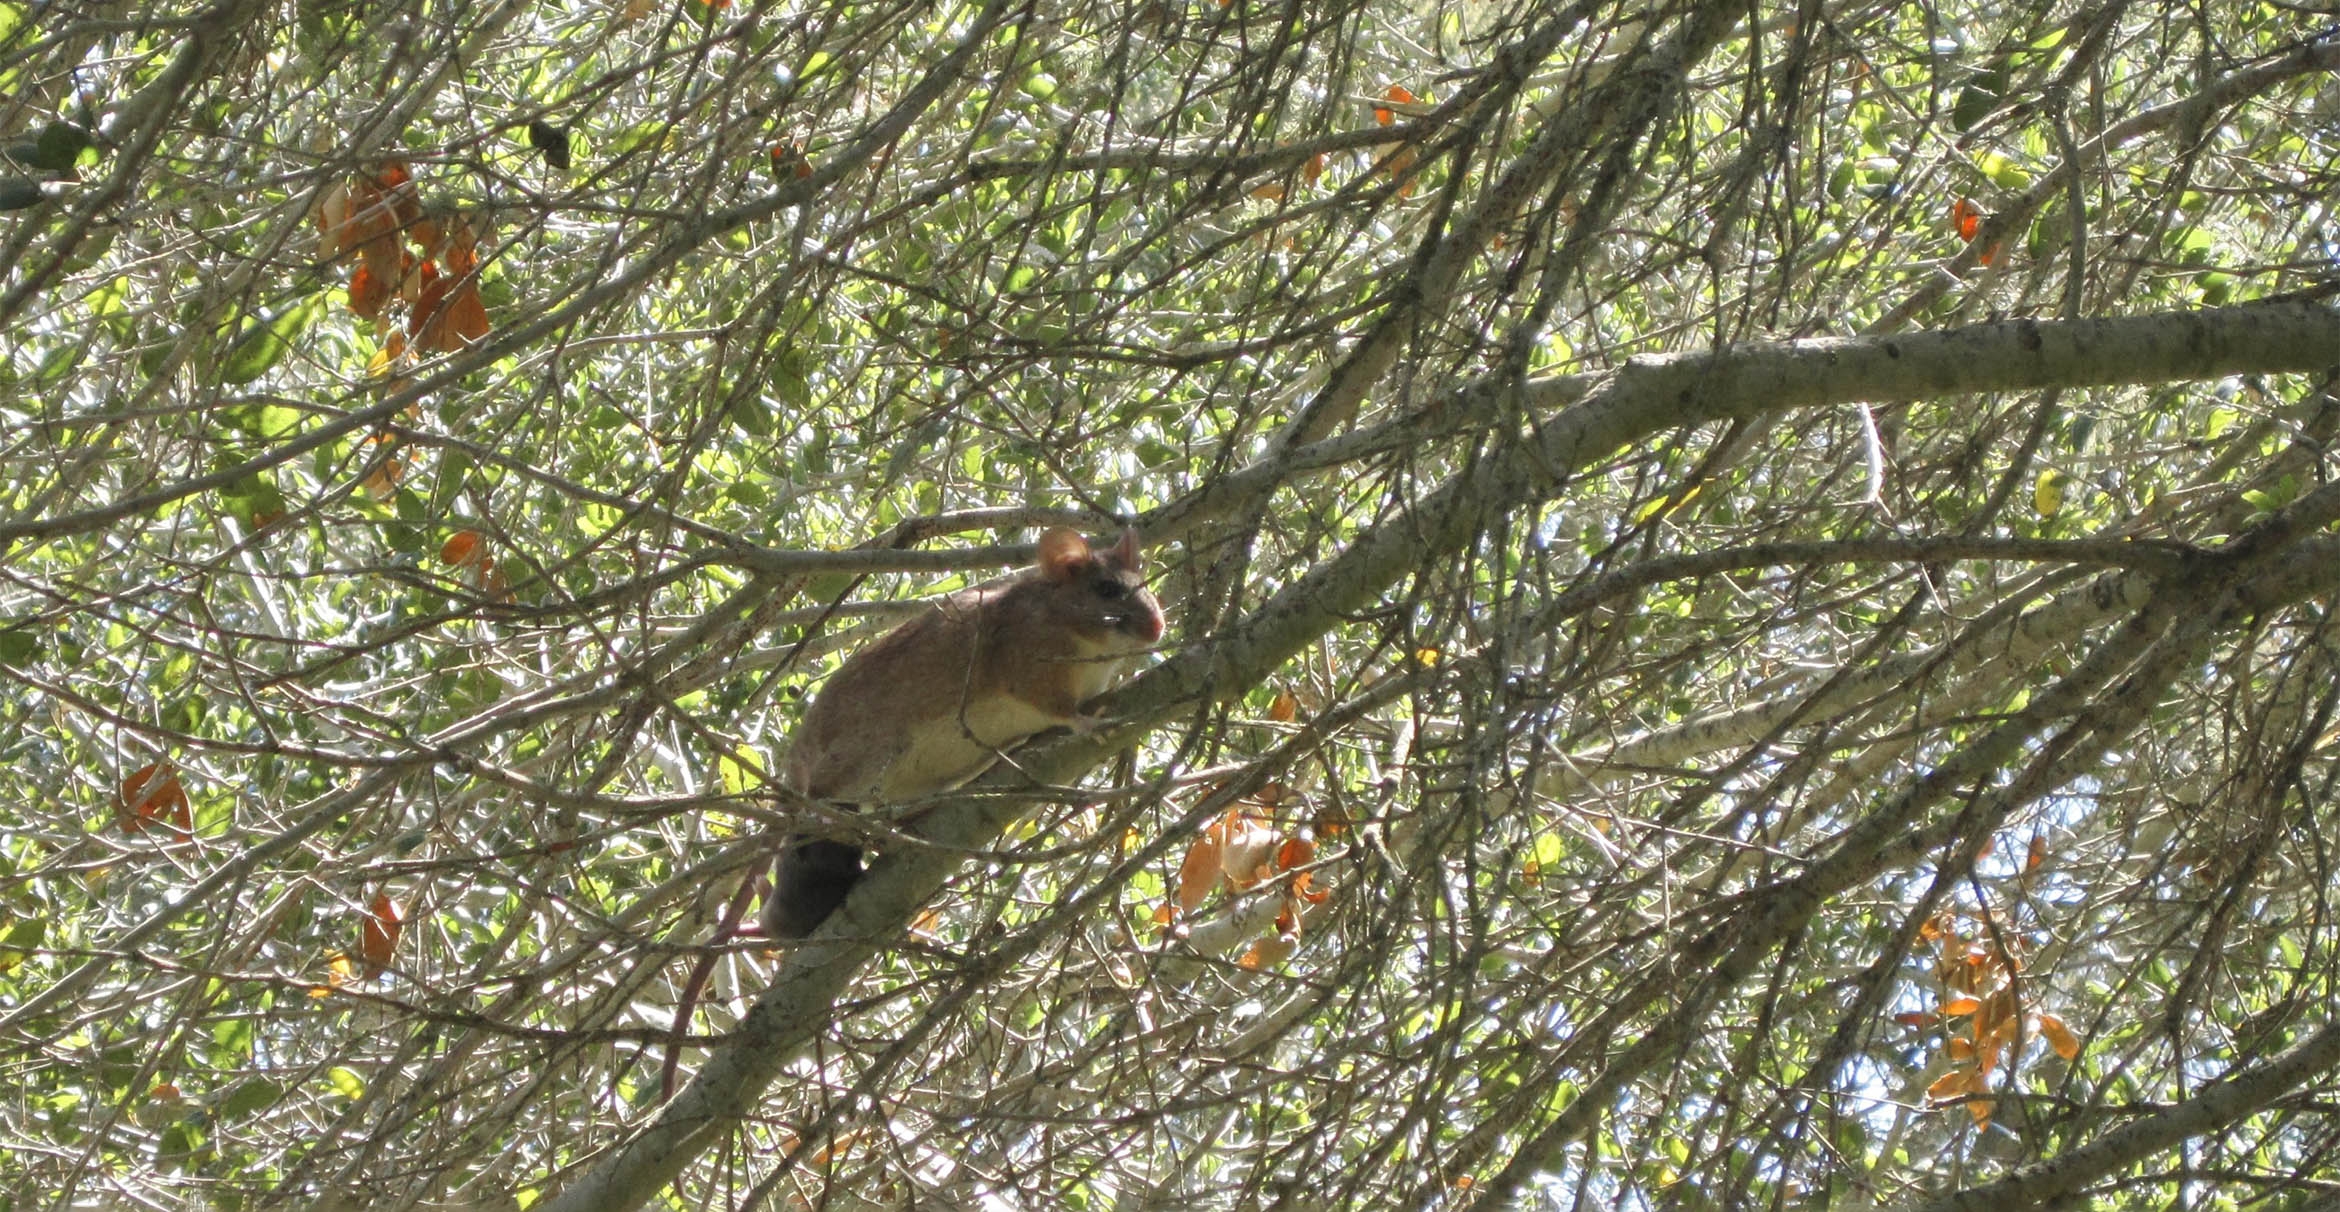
(404, 538)
(739, 772)
(1979, 97)
(60, 146)
(749, 414)
(25, 935)
(269, 421)
(18, 645)
(262, 343)
(251, 1095)
(346, 1082)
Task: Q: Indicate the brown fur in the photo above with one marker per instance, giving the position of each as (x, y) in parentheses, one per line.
(932, 703)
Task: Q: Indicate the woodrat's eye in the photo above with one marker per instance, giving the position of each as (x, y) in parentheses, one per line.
(1110, 590)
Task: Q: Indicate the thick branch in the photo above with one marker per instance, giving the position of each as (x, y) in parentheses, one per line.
(1647, 396)
(2227, 1101)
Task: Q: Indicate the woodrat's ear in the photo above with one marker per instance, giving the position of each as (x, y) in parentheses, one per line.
(1125, 552)
(1063, 552)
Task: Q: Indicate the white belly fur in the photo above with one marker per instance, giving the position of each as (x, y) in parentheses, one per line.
(1099, 665)
(946, 752)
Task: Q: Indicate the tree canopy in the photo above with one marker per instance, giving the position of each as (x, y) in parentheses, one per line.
(1750, 602)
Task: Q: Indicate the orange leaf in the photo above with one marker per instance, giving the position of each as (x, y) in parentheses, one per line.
(462, 246)
(427, 236)
(1401, 165)
(2059, 1036)
(450, 314)
(410, 276)
(1295, 852)
(789, 163)
(1273, 191)
(381, 481)
(430, 299)
(1951, 1085)
(1313, 169)
(387, 356)
(351, 215)
(1960, 1005)
(1268, 951)
(1960, 1048)
(152, 795)
(1917, 1018)
(1395, 93)
(398, 192)
(1199, 873)
(467, 314)
(332, 215)
(1250, 861)
(1247, 849)
(1987, 1054)
(462, 549)
(367, 293)
(1303, 886)
(1284, 708)
(839, 1145)
(1966, 217)
(2039, 851)
(1990, 255)
(378, 933)
(490, 578)
(1236, 848)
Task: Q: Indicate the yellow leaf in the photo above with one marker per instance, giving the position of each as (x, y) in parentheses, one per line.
(1669, 504)
(2047, 496)
(338, 972)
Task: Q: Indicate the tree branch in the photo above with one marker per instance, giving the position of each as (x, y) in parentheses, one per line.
(1648, 395)
(2227, 1101)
